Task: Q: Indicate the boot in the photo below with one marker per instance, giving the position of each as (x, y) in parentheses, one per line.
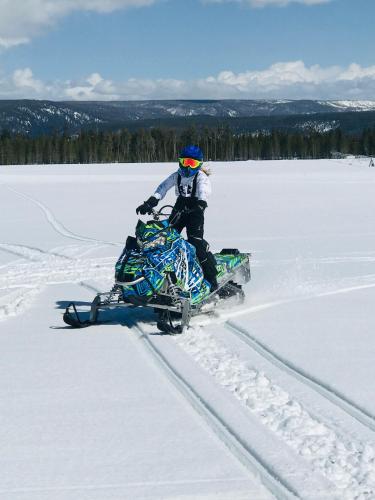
(210, 271)
(214, 284)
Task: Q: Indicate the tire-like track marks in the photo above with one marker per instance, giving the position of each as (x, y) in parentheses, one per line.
(368, 283)
(21, 281)
(349, 464)
(56, 225)
(30, 253)
(44, 267)
(333, 395)
(228, 435)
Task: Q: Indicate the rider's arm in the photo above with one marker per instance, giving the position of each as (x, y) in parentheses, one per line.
(203, 187)
(165, 186)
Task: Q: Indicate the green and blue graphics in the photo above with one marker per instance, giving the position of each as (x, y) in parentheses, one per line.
(159, 251)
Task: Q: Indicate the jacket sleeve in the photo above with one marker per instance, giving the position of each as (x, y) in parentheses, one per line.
(165, 186)
(203, 187)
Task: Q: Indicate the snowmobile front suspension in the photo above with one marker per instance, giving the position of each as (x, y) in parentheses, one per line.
(165, 323)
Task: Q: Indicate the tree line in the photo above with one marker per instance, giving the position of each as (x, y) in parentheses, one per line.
(160, 145)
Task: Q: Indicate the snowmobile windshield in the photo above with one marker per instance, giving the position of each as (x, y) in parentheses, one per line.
(147, 230)
(153, 234)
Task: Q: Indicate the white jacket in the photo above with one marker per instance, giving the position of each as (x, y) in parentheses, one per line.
(186, 187)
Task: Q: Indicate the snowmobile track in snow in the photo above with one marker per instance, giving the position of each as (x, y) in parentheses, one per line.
(56, 225)
(226, 433)
(333, 396)
(27, 252)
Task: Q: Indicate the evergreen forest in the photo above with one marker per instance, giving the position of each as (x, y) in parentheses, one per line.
(160, 145)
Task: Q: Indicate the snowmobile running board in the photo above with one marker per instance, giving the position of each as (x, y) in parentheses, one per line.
(184, 308)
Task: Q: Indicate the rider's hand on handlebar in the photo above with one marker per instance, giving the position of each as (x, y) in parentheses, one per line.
(147, 206)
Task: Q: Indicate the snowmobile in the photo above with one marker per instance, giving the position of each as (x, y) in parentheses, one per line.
(159, 269)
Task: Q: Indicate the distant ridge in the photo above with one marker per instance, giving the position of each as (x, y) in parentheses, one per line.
(34, 118)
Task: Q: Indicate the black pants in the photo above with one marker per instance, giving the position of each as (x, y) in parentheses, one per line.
(186, 214)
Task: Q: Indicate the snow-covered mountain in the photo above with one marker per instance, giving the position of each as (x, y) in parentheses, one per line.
(350, 105)
(38, 117)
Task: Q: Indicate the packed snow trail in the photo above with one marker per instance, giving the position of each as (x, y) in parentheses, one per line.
(360, 414)
(348, 464)
(229, 436)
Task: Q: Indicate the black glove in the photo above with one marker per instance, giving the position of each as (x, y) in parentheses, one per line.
(202, 205)
(199, 207)
(147, 206)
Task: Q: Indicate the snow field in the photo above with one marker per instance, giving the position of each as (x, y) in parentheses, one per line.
(308, 311)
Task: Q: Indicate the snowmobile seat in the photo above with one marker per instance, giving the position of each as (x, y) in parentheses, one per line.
(230, 251)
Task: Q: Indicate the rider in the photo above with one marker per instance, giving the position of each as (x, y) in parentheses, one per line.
(192, 187)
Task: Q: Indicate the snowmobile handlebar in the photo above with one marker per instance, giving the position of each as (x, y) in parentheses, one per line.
(159, 213)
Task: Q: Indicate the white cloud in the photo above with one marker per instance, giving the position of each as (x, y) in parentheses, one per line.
(94, 88)
(21, 20)
(7, 43)
(266, 3)
(290, 80)
(23, 79)
(296, 80)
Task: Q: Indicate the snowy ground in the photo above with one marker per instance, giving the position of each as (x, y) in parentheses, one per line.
(271, 399)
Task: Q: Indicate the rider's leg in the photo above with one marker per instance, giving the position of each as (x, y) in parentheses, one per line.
(177, 219)
(195, 229)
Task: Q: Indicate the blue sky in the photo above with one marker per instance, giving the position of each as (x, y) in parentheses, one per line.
(187, 49)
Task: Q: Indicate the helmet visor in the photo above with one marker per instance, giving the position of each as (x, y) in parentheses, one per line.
(189, 163)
